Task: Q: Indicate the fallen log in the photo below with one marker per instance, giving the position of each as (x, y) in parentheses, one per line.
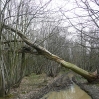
(42, 51)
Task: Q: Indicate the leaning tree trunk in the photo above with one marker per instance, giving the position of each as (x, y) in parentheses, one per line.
(42, 51)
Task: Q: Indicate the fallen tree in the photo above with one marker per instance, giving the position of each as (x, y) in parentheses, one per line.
(42, 51)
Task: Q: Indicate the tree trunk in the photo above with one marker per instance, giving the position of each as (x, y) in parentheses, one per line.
(42, 51)
(2, 79)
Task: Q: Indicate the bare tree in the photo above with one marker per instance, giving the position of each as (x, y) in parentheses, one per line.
(22, 15)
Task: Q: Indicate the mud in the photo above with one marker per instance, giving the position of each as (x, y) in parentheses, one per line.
(59, 83)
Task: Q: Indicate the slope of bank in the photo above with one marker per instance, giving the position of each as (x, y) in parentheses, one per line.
(91, 89)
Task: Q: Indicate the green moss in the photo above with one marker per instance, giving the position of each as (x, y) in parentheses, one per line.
(24, 92)
(9, 96)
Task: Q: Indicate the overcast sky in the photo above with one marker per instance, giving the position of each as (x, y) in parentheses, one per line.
(67, 5)
(64, 8)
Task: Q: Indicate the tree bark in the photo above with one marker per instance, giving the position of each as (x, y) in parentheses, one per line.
(42, 51)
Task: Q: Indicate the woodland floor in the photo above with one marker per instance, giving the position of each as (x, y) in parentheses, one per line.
(29, 85)
(35, 86)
